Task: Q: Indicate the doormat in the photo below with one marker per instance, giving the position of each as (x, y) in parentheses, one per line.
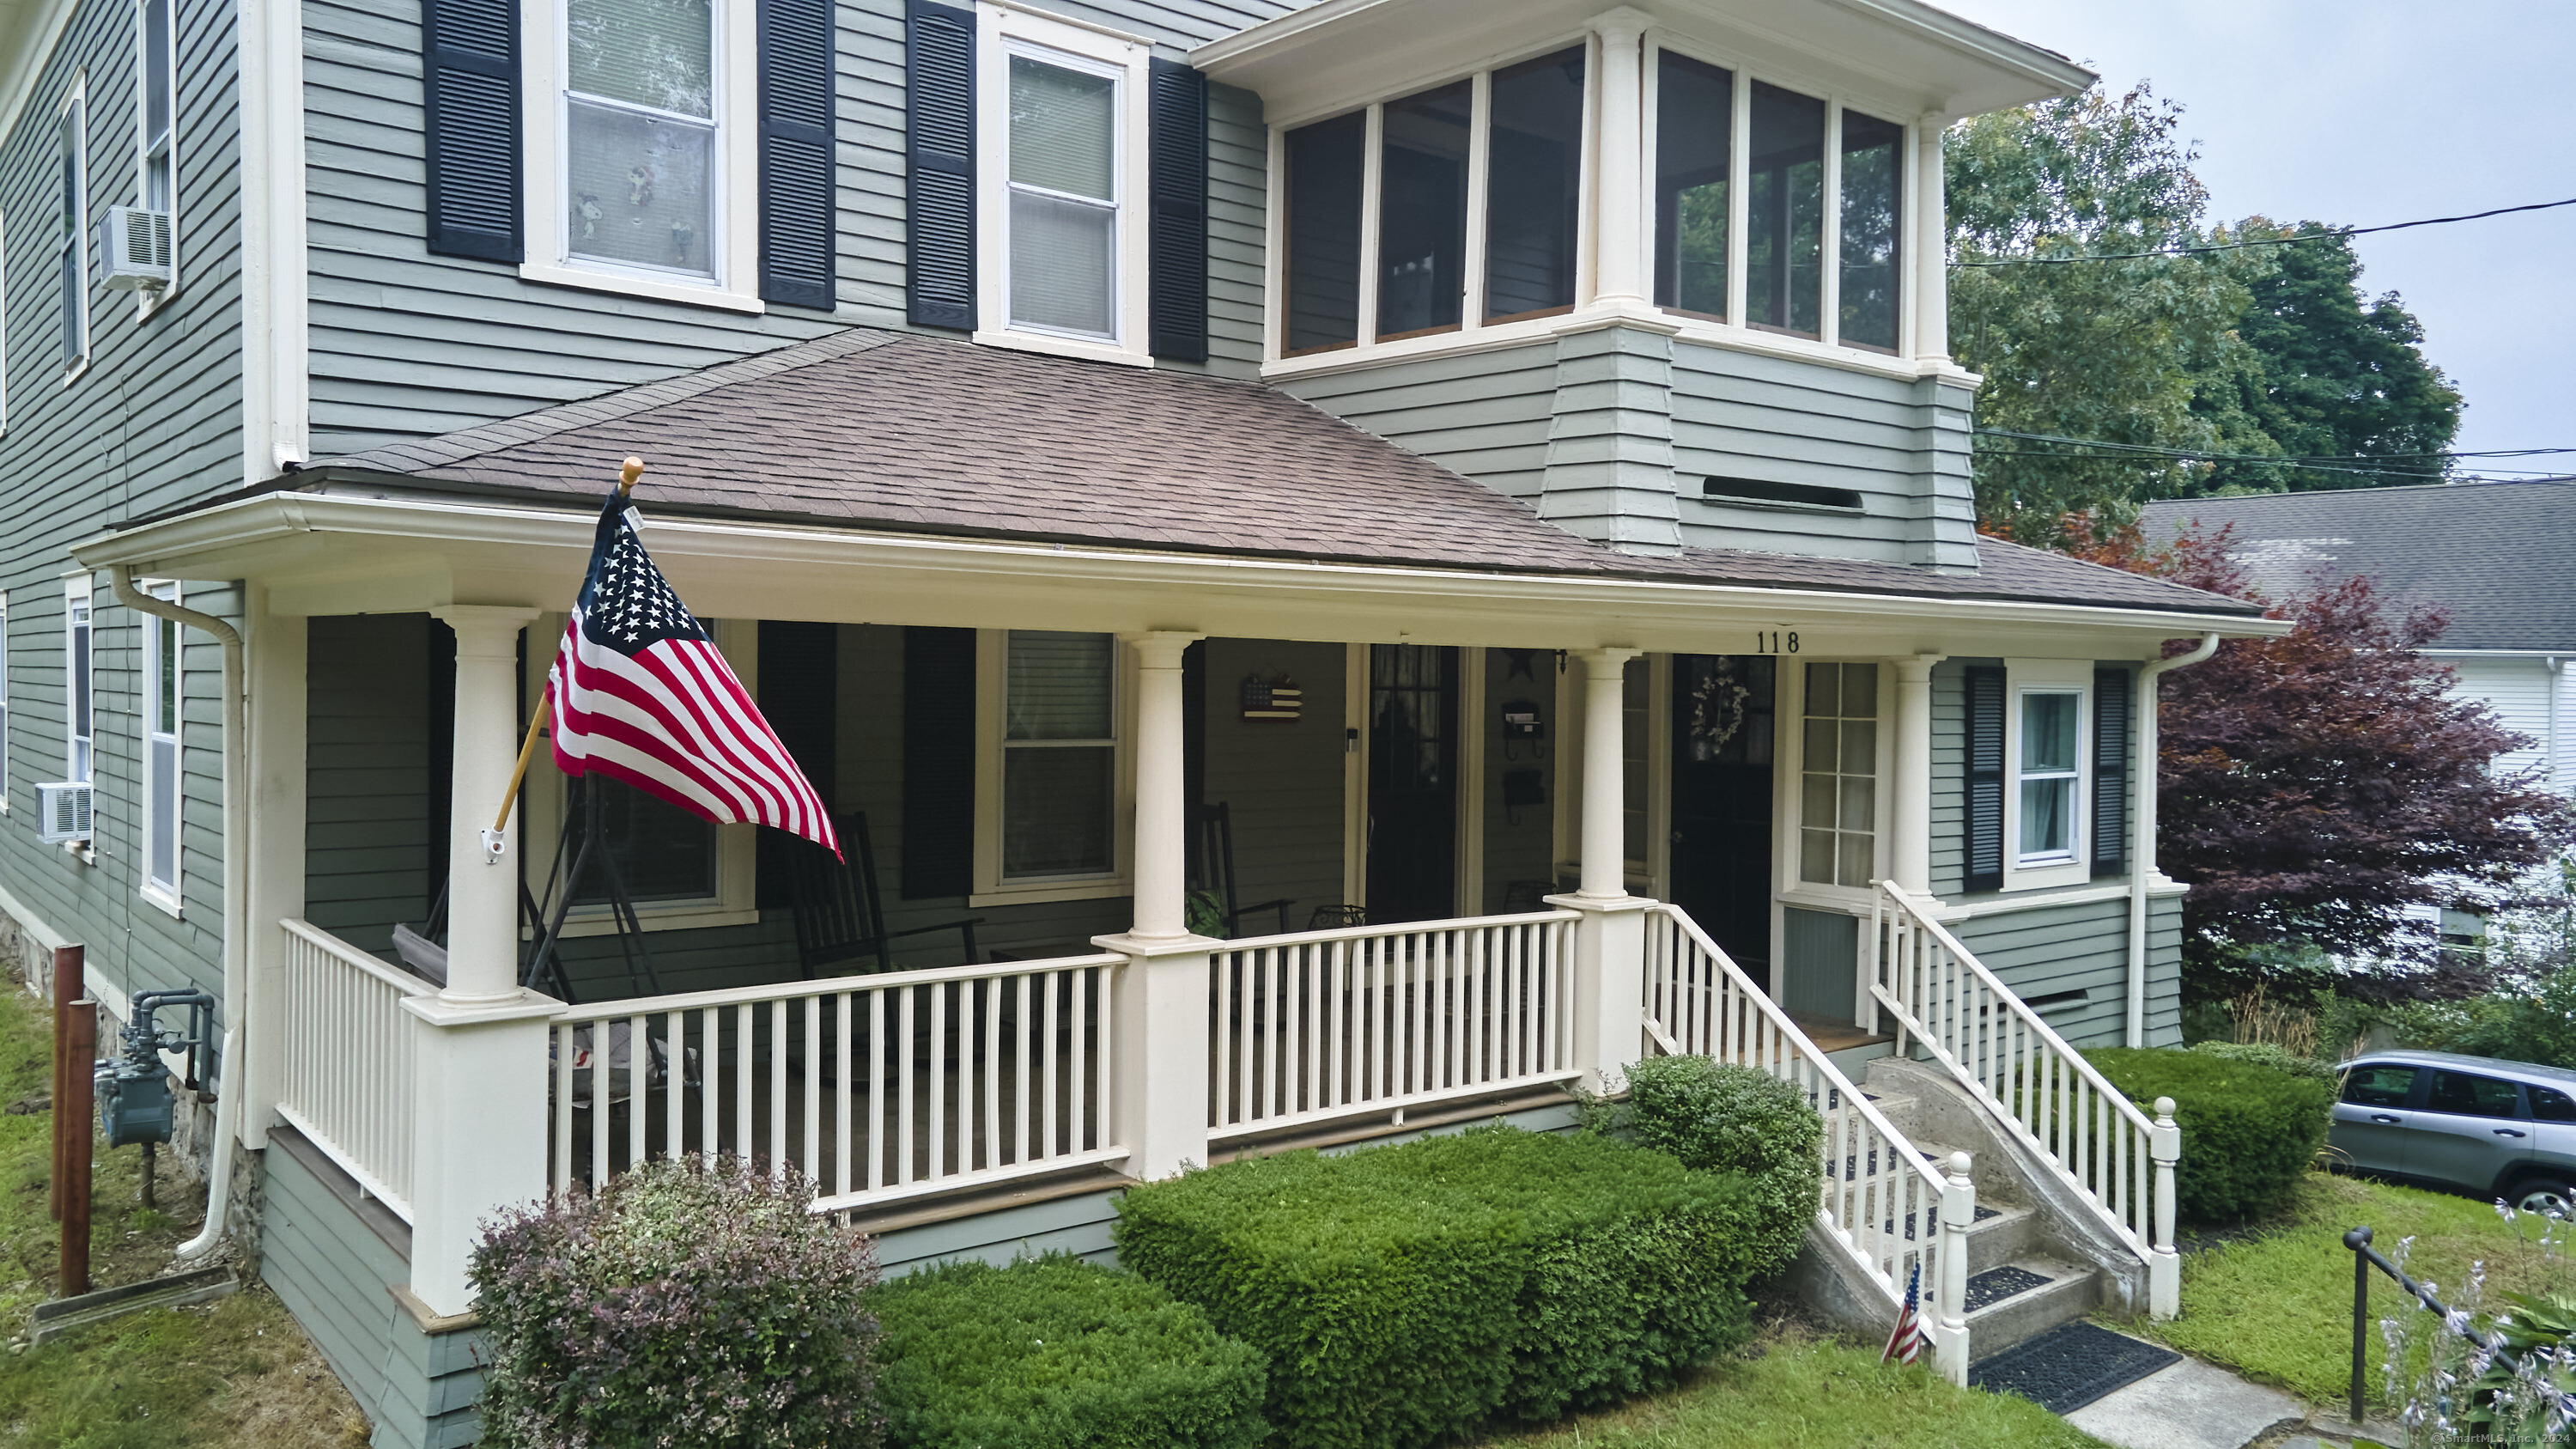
(1997, 1284)
(2070, 1366)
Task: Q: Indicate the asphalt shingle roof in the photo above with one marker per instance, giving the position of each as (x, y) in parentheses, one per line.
(909, 433)
(2501, 557)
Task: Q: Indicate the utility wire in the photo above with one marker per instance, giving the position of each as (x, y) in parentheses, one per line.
(2302, 467)
(2277, 241)
(2199, 454)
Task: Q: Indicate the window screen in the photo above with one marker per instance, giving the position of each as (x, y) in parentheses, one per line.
(70, 242)
(1064, 199)
(1059, 755)
(639, 132)
(1838, 776)
(157, 190)
(1785, 212)
(1534, 185)
(1873, 204)
(1422, 212)
(1694, 124)
(1323, 264)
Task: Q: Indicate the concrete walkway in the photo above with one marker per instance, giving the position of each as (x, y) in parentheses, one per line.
(2190, 1405)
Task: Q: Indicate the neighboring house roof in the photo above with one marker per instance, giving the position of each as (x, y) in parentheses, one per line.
(917, 434)
(2501, 557)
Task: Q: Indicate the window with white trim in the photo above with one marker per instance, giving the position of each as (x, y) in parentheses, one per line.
(71, 238)
(162, 694)
(5, 671)
(1053, 786)
(1061, 124)
(642, 172)
(2047, 727)
(1838, 770)
(80, 702)
(156, 153)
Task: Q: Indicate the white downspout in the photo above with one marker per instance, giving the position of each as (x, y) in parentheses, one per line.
(2142, 827)
(228, 1088)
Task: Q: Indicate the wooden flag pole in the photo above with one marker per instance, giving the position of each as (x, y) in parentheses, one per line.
(627, 473)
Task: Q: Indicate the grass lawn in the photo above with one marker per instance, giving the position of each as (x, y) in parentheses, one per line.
(2276, 1305)
(1810, 1393)
(232, 1374)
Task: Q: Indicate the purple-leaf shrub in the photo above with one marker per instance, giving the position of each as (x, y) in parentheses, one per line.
(684, 1307)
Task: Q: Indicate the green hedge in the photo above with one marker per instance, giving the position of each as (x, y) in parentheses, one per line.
(1406, 1293)
(2249, 1132)
(1055, 1353)
(2265, 1054)
(1723, 1118)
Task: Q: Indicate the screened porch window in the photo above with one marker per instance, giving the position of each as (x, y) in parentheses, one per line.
(1324, 166)
(1694, 151)
(1873, 198)
(642, 155)
(1535, 186)
(1059, 755)
(1785, 213)
(1838, 776)
(1422, 211)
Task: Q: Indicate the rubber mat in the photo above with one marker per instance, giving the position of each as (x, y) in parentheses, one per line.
(2069, 1366)
(1997, 1284)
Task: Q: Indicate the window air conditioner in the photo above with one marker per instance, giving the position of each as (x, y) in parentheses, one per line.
(62, 812)
(138, 248)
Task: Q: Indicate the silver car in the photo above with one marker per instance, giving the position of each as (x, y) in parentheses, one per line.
(2497, 1129)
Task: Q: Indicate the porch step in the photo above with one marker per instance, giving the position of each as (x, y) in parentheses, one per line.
(2027, 1296)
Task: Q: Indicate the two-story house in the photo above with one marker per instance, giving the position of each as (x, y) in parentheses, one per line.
(1348, 566)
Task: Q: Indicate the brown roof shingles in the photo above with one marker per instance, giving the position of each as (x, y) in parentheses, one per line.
(925, 434)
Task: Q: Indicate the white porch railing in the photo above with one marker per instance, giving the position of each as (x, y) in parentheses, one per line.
(346, 1059)
(1376, 1019)
(878, 1088)
(2030, 1081)
(1881, 1200)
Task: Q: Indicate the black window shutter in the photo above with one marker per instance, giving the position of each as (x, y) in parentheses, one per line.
(2111, 712)
(796, 152)
(1178, 255)
(939, 116)
(800, 696)
(1985, 778)
(938, 763)
(470, 133)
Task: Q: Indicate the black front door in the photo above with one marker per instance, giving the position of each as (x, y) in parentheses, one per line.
(1723, 736)
(1413, 783)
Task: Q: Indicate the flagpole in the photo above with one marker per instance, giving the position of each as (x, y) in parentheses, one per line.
(627, 473)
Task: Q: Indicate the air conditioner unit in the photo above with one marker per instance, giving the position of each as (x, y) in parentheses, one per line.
(138, 248)
(62, 812)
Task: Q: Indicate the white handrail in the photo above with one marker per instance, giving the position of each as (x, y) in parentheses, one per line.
(345, 1059)
(2021, 1071)
(1877, 1189)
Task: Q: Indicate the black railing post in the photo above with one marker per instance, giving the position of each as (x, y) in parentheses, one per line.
(2359, 1241)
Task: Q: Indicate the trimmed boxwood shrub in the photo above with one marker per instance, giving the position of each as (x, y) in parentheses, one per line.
(2266, 1054)
(684, 1307)
(1055, 1353)
(1720, 1117)
(2249, 1132)
(1405, 1293)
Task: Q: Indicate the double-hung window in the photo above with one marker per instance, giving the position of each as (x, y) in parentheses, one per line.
(1062, 125)
(152, 32)
(71, 236)
(1053, 785)
(80, 702)
(162, 694)
(2048, 721)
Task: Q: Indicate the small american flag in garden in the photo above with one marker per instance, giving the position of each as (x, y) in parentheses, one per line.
(1905, 1345)
(641, 694)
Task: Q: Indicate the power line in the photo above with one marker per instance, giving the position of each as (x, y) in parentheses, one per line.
(2277, 241)
(2199, 454)
(2302, 467)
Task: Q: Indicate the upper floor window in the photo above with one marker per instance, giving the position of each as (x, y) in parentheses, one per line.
(157, 156)
(1694, 155)
(71, 236)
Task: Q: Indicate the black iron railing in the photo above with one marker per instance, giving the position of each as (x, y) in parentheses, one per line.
(2364, 1258)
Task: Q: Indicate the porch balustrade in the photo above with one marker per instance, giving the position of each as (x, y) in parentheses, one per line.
(346, 1059)
(2117, 1160)
(1377, 1019)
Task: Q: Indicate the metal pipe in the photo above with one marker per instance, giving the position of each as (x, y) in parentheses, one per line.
(2142, 820)
(228, 1087)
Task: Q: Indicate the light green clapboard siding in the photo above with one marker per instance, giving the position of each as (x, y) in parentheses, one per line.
(369, 822)
(2052, 950)
(1950, 775)
(151, 424)
(1819, 962)
(1281, 781)
(1482, 414)
(406, 344)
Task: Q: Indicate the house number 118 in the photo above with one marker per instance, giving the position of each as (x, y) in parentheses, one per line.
(1773, 641)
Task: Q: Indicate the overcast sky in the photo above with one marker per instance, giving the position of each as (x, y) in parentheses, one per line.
(2358, 112)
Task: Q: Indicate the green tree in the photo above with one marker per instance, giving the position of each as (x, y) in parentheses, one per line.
(2116, 351)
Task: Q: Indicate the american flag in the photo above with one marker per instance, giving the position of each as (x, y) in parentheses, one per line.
(641, 694)
(1905, 1345)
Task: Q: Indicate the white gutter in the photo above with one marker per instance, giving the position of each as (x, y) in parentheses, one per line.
(2142, 824)
(228, 1087)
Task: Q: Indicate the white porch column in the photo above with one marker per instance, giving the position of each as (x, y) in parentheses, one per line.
(1159, 1068)
(1620, 263)
(275, 664)
(1931, 241)
(1610, 941)
(1910, 853)
(479, 1078)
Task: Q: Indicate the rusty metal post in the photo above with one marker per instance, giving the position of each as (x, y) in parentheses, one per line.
(70, 985)
(74, 1114)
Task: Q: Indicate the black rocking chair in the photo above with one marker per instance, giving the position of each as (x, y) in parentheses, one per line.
(1214, 872)
(839, 915)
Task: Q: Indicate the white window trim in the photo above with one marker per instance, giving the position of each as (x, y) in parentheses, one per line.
(1002, 32)
(4, 332)
(1789, 745)
(150, 300)
(992, 671)
(77, 590)
(2024, 677)
(78, 96)
(733, 240)
(542, 804)
(169, 896)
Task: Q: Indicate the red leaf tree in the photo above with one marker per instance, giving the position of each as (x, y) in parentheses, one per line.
(2310, 787)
